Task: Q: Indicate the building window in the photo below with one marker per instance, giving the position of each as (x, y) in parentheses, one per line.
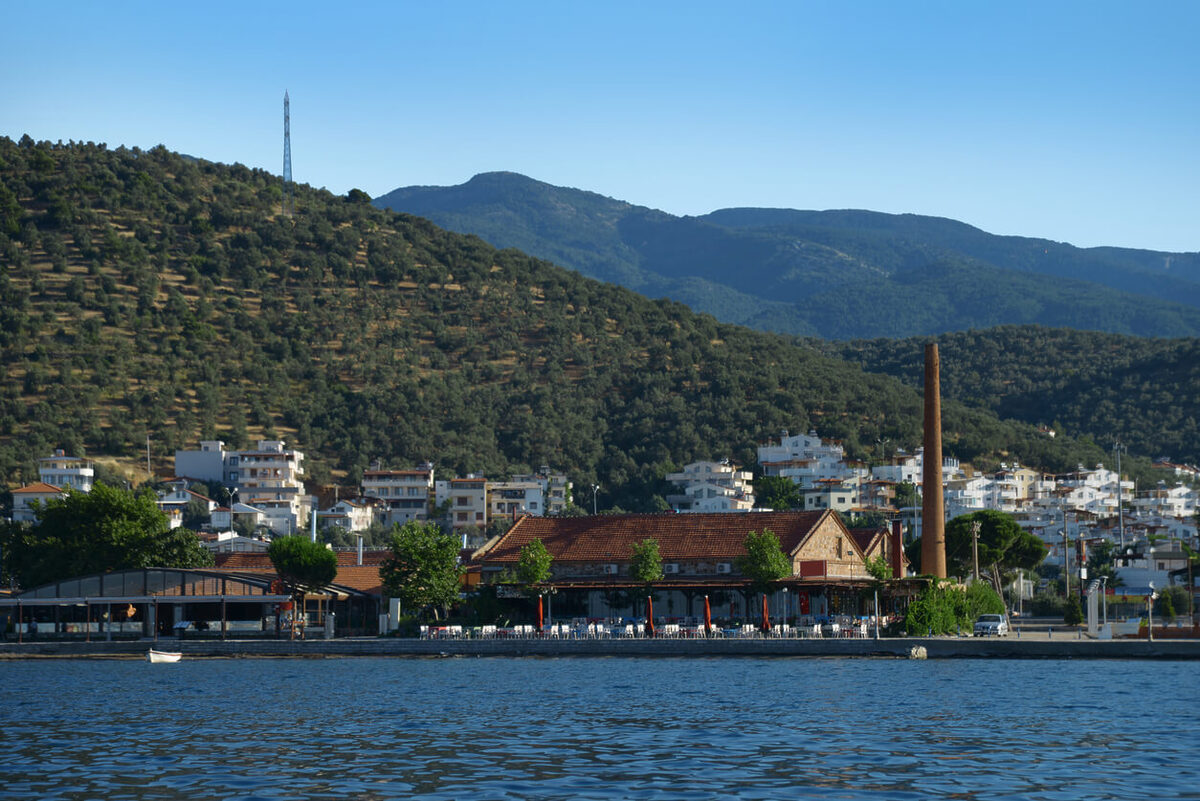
(463, 500)
(462, 517)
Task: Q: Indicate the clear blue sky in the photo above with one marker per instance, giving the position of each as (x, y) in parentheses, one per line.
(1075, 121)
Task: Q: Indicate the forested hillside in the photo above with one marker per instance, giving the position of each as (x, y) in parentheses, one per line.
(1145, 392)
(143, 293)
(833, 274)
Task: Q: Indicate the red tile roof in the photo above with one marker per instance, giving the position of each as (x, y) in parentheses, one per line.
(364, 578)
(865, 538)
(714, 537)
(261, 561)
(40, 486)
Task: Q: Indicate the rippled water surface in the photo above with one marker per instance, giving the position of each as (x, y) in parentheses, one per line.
(599, 728)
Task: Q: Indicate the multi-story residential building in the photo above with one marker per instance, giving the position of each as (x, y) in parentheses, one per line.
(267, 478)
(805, 459)
(841, 496)
(556, 489)
(906, 468)
(1177, 501)
(712, 487)
(405, 494)
(467, 498)
(23, 500)
(514, 499)
(355, 514)
(57, 474)
(66, 472)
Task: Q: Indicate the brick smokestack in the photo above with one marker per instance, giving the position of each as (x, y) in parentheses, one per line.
(897, 548)
(933, 513)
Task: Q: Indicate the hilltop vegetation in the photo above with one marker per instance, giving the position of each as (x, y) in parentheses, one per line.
(143, 293)
(1143, 392)
(831, 274)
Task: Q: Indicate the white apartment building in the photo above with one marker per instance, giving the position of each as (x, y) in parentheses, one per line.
(556, 489)
(1177, 501)
(404, 494)
(67, 472)
(515, 499)
(841, 496)
(467, 498)
(805, 459)
(907, 468)
(349, 514)
(24, 498)
(267, 478)
(712, 487)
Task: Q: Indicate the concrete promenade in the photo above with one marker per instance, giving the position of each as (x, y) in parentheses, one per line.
(1026, 647)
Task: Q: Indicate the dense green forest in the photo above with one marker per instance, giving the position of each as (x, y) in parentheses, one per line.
(831, 274)
(144, 293)
(1144, 392)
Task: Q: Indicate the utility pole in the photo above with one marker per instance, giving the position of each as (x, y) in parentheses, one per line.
(1117, 448)
(149, 474)
(975, 526)
(1066, 561)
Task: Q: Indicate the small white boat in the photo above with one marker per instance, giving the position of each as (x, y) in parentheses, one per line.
(163, 656)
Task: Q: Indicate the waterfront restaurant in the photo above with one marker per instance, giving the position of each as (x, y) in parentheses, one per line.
(590, 571)
(168, 602)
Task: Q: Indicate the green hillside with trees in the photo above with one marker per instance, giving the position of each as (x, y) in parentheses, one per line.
(148, 294)
(831, 274)
(1144, 392)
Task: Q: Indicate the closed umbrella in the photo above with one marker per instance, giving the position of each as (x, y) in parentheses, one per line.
(649, 616)
(766, 622)
(539, 615)
(707, 618)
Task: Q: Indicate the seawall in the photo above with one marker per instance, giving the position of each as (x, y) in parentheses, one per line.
(935, 647)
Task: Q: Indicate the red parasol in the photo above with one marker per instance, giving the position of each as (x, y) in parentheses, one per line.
(649, 615)
(766, 622)
(707, 617)
(539, 615)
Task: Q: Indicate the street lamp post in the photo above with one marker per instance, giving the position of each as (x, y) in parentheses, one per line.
(595, 490)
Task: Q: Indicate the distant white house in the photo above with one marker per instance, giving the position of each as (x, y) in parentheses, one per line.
(174, 500)
(350, 514)
(25, 497)
(712, 487)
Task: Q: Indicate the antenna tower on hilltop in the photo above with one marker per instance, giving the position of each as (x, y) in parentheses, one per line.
(289, 202)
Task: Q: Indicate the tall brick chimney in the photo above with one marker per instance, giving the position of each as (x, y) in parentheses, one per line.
(897, 549)
(933, 513)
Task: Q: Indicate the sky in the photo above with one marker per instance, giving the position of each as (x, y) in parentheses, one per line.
(1073, 121)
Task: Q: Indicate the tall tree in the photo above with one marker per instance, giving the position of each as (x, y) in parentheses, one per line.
(646, 562)
(777, 492)
(533, 563)
(1002, 544)
(423, 568)
(109, 528)
(764, 562)
(303, 565)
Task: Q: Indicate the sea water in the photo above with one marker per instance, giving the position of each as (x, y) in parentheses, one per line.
(596, 728)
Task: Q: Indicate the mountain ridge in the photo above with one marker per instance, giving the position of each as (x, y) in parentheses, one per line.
(783, 269)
